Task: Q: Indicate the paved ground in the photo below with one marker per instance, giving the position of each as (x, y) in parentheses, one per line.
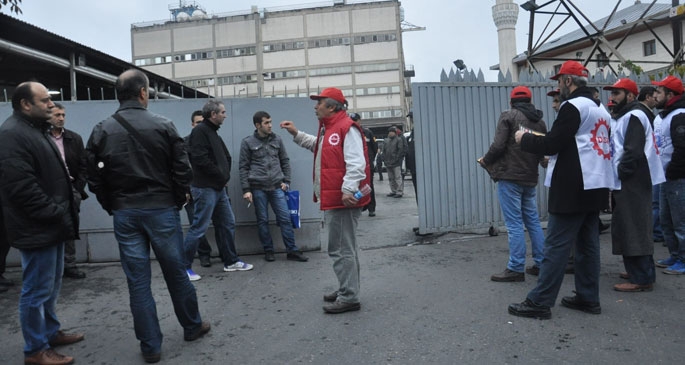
(424, 300)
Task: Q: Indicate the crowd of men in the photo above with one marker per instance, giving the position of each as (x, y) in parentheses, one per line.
(628, 150)
(143, 173)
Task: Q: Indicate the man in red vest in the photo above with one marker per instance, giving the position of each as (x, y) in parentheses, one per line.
(340, 155)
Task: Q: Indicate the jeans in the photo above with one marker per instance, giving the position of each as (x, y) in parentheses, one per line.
(672, 201)
(42, 281)
(280, 207)
(562, 231)
(137, 231)
(519, 208)
(212, 205)
(657, 233)
(203, 249)
(342, 248)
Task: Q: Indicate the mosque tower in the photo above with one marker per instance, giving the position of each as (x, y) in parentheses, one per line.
(505, 13)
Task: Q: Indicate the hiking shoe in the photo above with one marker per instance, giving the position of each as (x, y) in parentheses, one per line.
(676, 269)
(296, 256)
(530, 309)
(238, 266)
(663, 263)
(341, 307)
(192, 276)
(533, 270)
(508, 276)
(372, 214)
(269, 256)
(332, 297)
(581, 305)
(48, 356)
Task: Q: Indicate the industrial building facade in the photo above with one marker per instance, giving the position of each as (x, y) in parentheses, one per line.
(285, 52)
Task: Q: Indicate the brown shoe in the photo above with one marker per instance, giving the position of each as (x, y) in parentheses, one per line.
(631, 288)
(330, 297)
(341, 307)
(508, 276)
(624, 275)
(48, 357)
(62, 338)
(204, 328)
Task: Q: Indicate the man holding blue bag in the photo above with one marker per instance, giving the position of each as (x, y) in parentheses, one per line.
(265, 177)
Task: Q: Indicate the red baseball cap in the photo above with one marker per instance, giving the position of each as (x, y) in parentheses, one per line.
(672, 83)
(332, 93)
(554, 92)
(626, 84)
(520, 92)
(571, 68)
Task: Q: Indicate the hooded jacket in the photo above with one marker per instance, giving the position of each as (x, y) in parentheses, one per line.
(505, 160)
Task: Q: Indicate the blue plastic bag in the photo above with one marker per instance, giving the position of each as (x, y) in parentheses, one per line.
(293, 199)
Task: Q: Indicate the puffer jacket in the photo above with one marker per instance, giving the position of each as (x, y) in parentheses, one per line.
(264, 162)
(505, 160)
(35, 189)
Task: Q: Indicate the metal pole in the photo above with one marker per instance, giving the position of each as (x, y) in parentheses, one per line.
(676, 27)
(72, 75)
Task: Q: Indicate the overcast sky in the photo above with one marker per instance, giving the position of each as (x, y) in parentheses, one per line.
(456, 29)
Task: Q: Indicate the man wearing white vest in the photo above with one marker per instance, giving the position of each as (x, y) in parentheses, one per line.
(636, 169)
(578, 175)
(669, 127)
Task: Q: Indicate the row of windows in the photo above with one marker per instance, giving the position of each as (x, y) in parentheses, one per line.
(193, 56)
(271, 47)
(382, 114)
(237, 79)
(378, 90)
(236, 52)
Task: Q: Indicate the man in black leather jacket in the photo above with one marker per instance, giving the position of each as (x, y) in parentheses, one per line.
(39, 215)
(139, 172)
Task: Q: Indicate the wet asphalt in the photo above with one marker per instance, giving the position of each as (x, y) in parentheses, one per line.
(424, 300)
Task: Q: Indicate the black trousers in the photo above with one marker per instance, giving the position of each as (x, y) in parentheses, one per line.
(640, 269)
(4, 245)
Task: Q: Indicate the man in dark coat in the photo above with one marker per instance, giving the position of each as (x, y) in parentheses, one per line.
(372, 149)
(578, 175)
(70, 145)
(637, 168)
(39, 215)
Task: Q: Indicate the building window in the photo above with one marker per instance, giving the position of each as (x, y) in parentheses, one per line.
(649, 48)
(194, 56)
(602, 59)
(152, 61)
(237, 79)
(235, 52)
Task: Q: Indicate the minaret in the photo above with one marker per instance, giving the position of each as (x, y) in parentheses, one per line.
(505, 13)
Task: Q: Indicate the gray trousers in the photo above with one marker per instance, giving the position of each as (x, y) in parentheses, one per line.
(395, 178)
(342, 248)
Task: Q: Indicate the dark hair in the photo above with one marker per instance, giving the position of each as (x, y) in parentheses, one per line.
(257, 117)
(23, 91)
(58, 106)
(355, 117)
(129, 83)
(646, 91)
(212, 106)
(195, 113)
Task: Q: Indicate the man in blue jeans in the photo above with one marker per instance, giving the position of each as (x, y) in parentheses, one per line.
(138, 169)
(211, 171)
(39, 215)
(264, 176)
(516, 174)
(669, 128)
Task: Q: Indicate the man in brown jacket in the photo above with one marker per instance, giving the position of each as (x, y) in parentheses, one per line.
(516, 174)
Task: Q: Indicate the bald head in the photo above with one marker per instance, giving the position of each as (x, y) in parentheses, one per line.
(132, 85)
(33, 100)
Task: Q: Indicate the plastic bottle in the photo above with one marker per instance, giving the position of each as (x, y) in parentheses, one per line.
(362, 192)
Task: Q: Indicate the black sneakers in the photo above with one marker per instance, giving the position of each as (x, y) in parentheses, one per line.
(269, 256)
(529, 309)
(204, 328)
(296, 256)
(341, 307)
(330, 297)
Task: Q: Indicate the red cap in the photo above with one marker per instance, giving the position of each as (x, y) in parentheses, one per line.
(554, 93)
(571, 68)
(520, 92)
(332, 93)
(672, 83)
(626, 84)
